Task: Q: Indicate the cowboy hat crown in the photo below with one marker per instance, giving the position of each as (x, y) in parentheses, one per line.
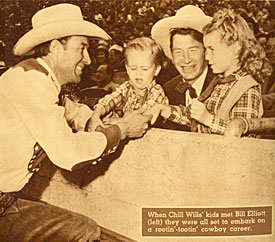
(188, 16)
(55, 22)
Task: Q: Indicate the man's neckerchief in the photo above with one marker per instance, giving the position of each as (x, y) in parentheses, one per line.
(182, 87)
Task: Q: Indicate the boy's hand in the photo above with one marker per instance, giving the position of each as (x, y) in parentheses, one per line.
(153, 112)
(158, 109)
(200, 113)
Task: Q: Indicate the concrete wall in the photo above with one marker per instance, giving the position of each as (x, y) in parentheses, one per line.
(166, 168)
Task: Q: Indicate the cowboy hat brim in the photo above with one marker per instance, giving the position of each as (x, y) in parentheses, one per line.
(56, 30)
(161, 30)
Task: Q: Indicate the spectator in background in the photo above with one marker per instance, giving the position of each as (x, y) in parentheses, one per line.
(254, 26)
(101, 79)
(261, 37)
(101, 55)
(268, 89)
(103, 75)
(116, 58)
(114, 13)
(117, 79)
(116, 33)
(252, 9)
(99, 20)
(270, 47)
(267, 25)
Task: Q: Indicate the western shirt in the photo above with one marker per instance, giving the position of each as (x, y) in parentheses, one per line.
(126, 96)
(29, 113)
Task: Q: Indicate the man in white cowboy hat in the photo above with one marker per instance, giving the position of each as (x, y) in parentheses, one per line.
(182, 41)
(35, 122)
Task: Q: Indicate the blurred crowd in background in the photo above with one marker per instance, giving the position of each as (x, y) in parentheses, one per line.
(124, 20)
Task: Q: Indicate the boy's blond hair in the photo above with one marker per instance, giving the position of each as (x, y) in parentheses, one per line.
(146, 43)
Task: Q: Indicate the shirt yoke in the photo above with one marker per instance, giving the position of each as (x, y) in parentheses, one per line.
(31, 64)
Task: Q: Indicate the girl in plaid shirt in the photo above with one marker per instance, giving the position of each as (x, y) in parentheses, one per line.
(143, 64)
(240, 62)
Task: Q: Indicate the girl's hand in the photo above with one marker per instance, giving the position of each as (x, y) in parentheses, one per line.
(200, 113)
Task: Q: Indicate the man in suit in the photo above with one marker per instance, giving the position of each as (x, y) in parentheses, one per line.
(182, 41)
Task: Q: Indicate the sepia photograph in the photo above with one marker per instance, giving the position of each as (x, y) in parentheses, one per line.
(137, 121)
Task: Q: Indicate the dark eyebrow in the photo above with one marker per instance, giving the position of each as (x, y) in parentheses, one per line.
(194, 46)
(191, 47)
(208, 46)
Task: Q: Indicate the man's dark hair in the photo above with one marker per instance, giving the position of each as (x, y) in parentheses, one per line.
(44, 48)
(185, 31)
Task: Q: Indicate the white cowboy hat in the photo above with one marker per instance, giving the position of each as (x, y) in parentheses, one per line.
(188, 16)
(55, 22)
(116, 47)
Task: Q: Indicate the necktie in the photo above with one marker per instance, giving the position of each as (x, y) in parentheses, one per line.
(182, 87)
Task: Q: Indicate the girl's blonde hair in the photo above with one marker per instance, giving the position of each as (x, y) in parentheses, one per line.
(233, 28)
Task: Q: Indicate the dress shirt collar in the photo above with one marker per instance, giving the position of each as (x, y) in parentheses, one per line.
(197, 85)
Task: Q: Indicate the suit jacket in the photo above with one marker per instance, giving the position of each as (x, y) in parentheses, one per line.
(176, 98)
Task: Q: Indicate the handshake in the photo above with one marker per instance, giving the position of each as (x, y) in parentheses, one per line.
(136, 123)
(132, 125)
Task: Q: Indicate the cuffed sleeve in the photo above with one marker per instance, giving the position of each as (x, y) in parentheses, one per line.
(113, 135)
(179, 115)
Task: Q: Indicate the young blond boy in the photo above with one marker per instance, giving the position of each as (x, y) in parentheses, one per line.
(143, 64)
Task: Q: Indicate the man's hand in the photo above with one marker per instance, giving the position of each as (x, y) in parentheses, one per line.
(134, 125)
(94, 122)
(111, 120)
(200, 113)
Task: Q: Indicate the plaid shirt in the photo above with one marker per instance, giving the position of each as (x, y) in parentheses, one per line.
(125, 96)
(247, 106)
